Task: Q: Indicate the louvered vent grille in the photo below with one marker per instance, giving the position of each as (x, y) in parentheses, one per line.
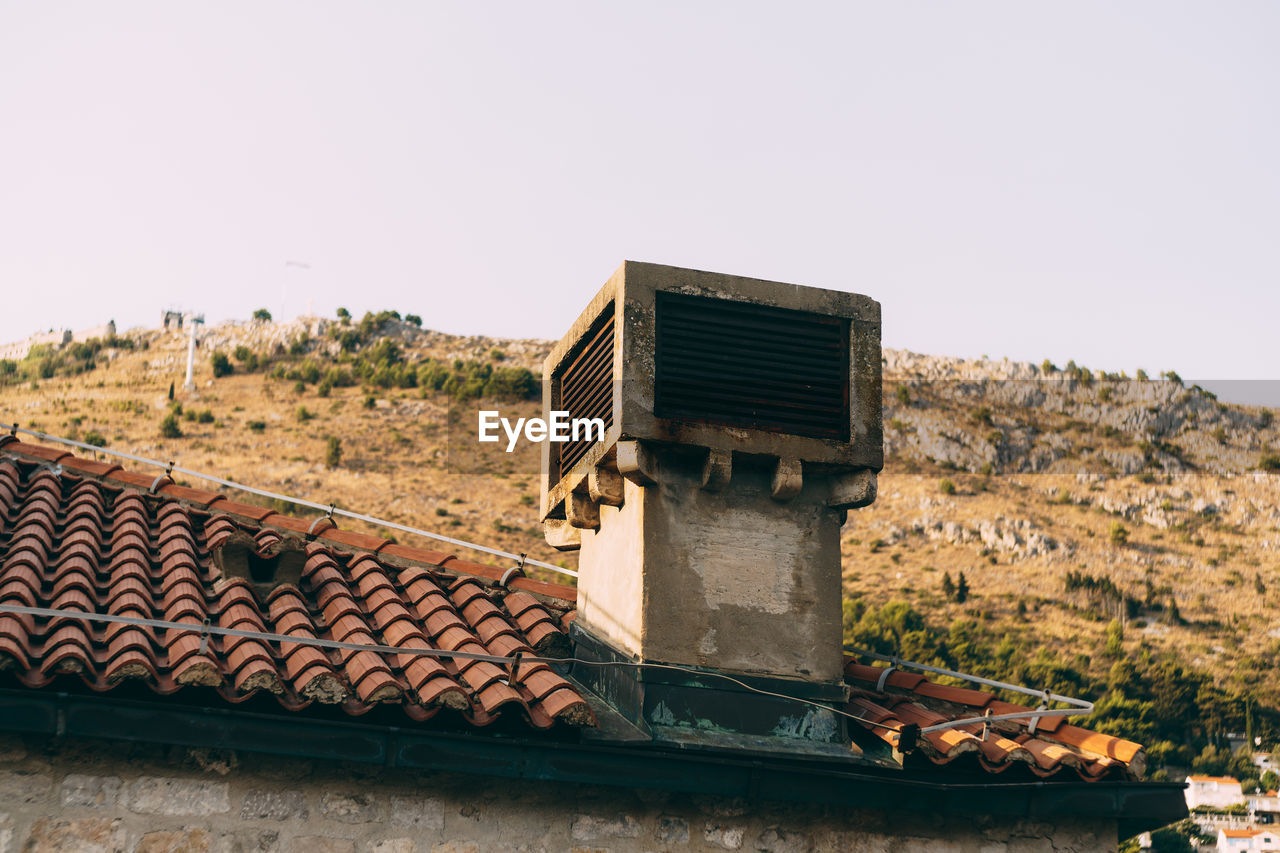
(752, 366)
(586, 388)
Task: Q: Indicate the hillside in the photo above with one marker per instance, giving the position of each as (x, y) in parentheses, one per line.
(1117, 537)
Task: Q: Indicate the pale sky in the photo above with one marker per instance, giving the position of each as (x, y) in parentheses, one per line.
(1088, 181)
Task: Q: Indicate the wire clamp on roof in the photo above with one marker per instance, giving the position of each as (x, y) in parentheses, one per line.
(515, 667)
(986, 726)
(204, 637)
(328, 516)
(1035, 718)
(908, 737)
(167, 475)
(884, 676)
(516, 571)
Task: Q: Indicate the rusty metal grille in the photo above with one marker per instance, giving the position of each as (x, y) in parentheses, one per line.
(586, 388)
(754, 366)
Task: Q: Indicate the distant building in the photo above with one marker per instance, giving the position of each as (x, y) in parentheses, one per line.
(1215, 791)
(1265, 807)
(1250, 840)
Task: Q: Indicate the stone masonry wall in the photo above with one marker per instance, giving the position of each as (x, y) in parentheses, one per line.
(100, 796)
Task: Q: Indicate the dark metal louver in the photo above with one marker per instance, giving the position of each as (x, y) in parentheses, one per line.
(755, 366)
(586, 388)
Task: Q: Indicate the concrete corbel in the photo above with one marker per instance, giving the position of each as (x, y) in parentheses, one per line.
(605, 486)
(636, 463)
(582, 512)
(788, 479)
(852, 490)
(561, 535)
(717, 470)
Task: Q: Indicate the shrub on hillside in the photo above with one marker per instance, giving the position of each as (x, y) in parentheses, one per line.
(1119, 534)
(169, 426)
(333, 452)
(221, 365)
(247, 357)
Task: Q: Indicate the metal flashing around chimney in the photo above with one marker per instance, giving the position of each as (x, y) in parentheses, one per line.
(696, 708)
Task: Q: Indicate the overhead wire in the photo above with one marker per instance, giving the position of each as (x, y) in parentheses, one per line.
(206, 630)
(1079, 706)
(328, 509)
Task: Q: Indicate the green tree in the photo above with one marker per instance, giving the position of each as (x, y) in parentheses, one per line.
(262, 315)
(962, 589)
(1119, 533)
(221, 365)
(169, 426)
(1115, 639)
(170, 390)
(948, 586)
(333, 452)
(344, 315)
(946, 486)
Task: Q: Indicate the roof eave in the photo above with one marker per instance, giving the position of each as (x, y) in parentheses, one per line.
(1136, 806)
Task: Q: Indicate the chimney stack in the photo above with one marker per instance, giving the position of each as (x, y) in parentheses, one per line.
(742, 421)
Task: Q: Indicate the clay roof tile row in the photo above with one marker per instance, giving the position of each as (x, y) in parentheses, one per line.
(94, 538)
(1056, 746)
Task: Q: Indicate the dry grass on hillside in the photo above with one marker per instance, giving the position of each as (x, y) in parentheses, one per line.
(1041, 479)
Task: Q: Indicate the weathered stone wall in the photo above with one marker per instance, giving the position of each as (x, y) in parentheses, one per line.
(91, 796)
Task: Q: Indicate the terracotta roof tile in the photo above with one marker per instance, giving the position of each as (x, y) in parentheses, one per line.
(121, 549)
(1054, 748)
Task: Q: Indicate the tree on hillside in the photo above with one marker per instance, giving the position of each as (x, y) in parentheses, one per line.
(1119, 533)
(333, 452)
(221, 365)
(262, 315)
(1115, 639)
(962, 589)
(948, 586)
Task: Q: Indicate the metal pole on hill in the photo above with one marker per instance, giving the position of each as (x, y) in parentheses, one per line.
(194, 322)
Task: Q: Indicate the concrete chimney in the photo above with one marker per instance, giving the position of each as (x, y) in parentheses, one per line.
(743, 420)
